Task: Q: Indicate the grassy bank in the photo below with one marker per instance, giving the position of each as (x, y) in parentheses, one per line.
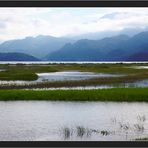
(114, 94)
(11, 75)
(23, 72)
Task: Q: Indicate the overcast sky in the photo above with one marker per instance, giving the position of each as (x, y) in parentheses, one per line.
(22, 22)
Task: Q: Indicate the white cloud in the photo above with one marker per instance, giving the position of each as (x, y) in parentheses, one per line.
(22, 22)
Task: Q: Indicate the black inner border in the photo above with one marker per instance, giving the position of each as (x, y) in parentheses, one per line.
(72, 3)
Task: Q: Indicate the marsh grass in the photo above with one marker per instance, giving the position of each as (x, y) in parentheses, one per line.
(28, 72)
(139, 127)
(125, 130)
(105, 132)
(21, 75)
(81, 131)
(76, 83)
(67, 132)
(113, 94)
(23, 72)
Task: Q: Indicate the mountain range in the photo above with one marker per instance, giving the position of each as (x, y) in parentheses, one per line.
(38, 46)
(115, 48)
(17, 57)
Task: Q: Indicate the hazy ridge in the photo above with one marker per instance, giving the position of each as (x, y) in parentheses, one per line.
(116, 48)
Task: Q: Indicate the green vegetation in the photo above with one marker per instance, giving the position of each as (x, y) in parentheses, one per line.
(21, 75)
(28, 72)
(114, 94)
(22, 72)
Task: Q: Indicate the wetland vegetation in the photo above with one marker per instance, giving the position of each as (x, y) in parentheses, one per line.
(25, 72)
(113, 94)
(114, 124)
(28, 72)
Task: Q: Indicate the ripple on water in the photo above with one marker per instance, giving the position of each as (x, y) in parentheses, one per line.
(46, 120)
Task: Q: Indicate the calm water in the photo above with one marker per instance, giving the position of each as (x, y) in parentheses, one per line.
(71, 75)
(2, 70)
(140, 67)
(45, 120)
(62, 76)
(141, 83)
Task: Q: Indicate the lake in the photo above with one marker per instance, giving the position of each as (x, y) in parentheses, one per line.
(93, 121)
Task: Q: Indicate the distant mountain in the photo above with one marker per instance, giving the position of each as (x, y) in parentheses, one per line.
(17, 57)
(36, 46)
(116, 48)
(142, 56)
(88, 50)
(103, 34)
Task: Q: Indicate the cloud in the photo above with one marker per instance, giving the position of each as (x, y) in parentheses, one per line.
(110, 15)
(22, 22)
(120, 19)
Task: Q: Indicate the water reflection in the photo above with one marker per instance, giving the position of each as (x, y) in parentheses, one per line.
(82, 132)
(71, 75)
(123, 129)
(140, 67)
(92, 121)
(140, 83)
(75, 75)
(2, 70)
(62, 76)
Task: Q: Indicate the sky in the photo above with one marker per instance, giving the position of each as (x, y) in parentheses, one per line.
(17, 23)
